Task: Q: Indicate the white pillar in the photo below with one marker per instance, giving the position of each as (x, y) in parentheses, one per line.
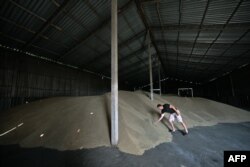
(114, 75)
(150, 69)
(192, 92)
(159, 73)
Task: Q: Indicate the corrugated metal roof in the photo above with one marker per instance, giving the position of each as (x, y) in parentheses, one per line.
(228, 36)
(70, 26)
(97, 44)
(219, 11)
(199, 51)
(43, 8)
(151, 14)
(207, 36)
(245, 39)
(242, 15)
(192, 11)
(188, 35)
(134, 19)
(105, 34)
(169, 12)
(123, 28)
(80, 33)
(88, 18)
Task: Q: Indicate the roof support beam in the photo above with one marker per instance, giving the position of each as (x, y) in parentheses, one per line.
(149, 1)
(142, 15)
(46, 25)
(195, 62)
(28, 11)
(170, 67)
(224, 26)
(172, 55)
(79, 22)
(128, 57)
(131, 66)
(137, 65)
(107, 53)
(31, 31)
(198, 44)
(23, 42)
(57, 28)
(227, 50)
(92, 8)
(135, 73)
(136, 69)
(198, 34)
(102, 25)
(162, 28)
(171, 70)
(195, 27)
(178, 36)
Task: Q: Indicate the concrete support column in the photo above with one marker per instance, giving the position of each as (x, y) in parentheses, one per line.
(114, 75)
(150, 69)
(159, 74)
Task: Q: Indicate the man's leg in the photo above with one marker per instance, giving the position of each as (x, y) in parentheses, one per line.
(171, 120)
(184, 126)
(179, 118)
(172, 125)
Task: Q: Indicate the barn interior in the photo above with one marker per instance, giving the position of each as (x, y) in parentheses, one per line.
(81, 80)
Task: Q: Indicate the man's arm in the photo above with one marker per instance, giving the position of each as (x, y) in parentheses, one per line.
(177, 111)
(162, 115)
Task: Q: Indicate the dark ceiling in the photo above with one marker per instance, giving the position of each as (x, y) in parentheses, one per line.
(194, 40)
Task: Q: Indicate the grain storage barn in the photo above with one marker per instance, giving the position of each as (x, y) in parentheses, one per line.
(80, 82)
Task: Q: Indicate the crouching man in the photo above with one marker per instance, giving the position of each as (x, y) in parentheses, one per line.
(174, 114)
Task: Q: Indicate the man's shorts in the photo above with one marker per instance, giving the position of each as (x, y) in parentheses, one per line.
(174, 116)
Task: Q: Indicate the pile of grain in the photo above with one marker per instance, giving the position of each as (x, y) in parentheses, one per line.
(70, 123)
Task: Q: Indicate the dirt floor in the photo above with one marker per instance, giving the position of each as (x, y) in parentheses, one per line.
(203, 147)
(71, 129)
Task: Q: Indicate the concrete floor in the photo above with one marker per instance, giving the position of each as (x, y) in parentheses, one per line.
(203, 147)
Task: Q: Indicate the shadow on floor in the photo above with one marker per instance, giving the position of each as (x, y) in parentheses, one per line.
(204, 146)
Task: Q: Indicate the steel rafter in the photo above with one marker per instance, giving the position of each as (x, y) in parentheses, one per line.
(143, 17)
(101, 26)
(198, 34)
(225, 25)
(46, 24)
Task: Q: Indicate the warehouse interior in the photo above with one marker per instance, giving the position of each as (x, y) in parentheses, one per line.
(63, 61)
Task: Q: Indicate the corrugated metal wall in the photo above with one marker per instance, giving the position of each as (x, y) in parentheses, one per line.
(231, 89)
(25, 78)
